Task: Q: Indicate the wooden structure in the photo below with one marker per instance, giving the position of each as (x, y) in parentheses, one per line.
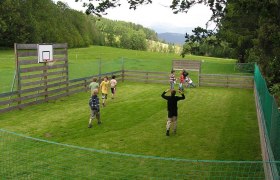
(146, 76)
(186, 65)
(215, 80)
(37, 82)
(40, 82)
(221, 80)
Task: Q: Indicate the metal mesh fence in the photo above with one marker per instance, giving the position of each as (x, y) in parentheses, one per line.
(270, 112)
(245, 67)
(24, 157)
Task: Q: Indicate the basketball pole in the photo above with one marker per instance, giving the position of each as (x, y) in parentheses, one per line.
(13, 85)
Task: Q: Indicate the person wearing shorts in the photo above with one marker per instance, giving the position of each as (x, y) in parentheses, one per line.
(113, 83)
(104, 86)
(94, 107)
(172, 109)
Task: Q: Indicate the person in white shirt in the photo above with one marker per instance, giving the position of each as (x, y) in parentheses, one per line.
(113, 83)
(189, 82)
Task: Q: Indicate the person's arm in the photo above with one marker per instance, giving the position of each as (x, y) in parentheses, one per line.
(100, 86)
(183, 96)
(163, 94)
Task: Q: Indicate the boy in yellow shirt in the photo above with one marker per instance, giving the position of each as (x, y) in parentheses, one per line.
(104, 86)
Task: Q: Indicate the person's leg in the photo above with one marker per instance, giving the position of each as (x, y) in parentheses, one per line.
(181, 86)
(104, 97)
(174, 120)
(90, 119)
(171, 85)
(168, 124)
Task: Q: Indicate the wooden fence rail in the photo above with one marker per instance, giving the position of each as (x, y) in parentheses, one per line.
(146, 76)
(221, 80)
(35, 95)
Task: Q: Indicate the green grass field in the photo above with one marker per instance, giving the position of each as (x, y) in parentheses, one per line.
(214, 123)
(84, 62)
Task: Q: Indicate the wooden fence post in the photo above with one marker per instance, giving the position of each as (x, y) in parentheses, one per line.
(45, 72)
(67, 69)
(85, 81)
(18, 76)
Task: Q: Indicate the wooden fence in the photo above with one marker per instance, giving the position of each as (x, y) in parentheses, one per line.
(30, 96)
(42, 82)
(146, 76)
(221, 80)
(9, 101)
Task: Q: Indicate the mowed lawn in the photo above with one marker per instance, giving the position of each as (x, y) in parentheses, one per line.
(84, 62)
(213, 123)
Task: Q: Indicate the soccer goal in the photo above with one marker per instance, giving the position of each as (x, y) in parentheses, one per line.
(188, 65)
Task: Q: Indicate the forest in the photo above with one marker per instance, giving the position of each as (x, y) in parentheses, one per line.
(32, 21)
(246, 30)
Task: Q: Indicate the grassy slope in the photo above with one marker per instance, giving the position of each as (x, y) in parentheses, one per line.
(214, 123)
(85, 62)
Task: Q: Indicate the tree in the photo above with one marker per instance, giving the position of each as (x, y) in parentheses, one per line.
(252, 28)
(99, 8)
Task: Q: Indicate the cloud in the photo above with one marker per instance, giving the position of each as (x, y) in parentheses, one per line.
(157, 15)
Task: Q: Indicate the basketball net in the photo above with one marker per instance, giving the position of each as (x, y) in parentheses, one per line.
(50, 63)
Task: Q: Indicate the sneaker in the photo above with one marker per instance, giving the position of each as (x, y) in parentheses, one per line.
(99, 122)
(103, 104)
(90, 126)
(167, 132)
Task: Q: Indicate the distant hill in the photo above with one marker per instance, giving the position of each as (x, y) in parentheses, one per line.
(174, 38)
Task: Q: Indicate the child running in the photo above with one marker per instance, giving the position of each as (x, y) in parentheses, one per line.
(94, 107)
(104, 89)
(93, 85)
(189, 82)
(113, 83)
(182, 81)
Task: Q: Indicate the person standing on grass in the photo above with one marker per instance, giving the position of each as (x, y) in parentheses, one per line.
(93, 85)
(94, 107)
(113, 83)
(182, 82)
(172, 79)
(172, 109)
(104, 86)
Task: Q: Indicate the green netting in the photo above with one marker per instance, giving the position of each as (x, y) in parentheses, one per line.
(271, 114)
(24, 157)
(245, 67)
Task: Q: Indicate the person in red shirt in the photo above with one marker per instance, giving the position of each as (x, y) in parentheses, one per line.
(182, 82)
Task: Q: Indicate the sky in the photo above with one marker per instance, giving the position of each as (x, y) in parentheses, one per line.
(157, 16)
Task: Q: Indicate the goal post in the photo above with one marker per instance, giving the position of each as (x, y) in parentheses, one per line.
(188, 65)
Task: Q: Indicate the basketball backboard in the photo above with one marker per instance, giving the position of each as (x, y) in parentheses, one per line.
(45, 53)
